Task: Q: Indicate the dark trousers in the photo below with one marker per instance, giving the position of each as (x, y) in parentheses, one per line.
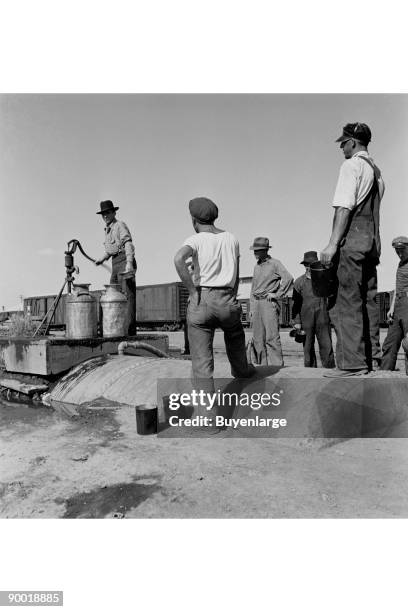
(316, 324)
(355, 314)
(396, 332)
(128, 287)
(216, 308)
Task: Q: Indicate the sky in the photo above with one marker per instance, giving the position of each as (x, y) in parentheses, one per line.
(269, 161)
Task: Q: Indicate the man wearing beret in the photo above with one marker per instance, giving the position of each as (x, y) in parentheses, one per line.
(213, 292)
(270, 282)
(355, 249)
(310, 313)
(397, 315)
(119, 246)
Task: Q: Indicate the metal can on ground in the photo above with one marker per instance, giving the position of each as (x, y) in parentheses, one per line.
(146, 419)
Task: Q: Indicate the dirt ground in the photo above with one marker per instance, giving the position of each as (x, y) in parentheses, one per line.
(95, 465)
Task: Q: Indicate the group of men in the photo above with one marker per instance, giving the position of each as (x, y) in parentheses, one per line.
(353, 251)
(208, 265)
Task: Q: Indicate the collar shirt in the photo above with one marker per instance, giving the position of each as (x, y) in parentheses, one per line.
(118, 239)
(271, 276)
(355, 181)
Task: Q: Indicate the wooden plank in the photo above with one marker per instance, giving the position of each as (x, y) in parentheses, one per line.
(17, 385)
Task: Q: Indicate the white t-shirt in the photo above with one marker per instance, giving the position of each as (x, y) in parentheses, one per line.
(355, 181)
(215, 259)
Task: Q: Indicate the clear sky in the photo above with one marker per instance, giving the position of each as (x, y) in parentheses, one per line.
(269, 162)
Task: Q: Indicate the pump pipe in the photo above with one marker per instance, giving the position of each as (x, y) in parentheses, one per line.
(141, 345)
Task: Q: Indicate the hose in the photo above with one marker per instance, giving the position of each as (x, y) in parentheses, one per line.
(142, 345)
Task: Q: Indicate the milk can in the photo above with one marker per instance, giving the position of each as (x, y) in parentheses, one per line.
(114, 312)
(80, 314)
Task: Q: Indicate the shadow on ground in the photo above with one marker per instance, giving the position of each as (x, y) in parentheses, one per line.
(105, 502)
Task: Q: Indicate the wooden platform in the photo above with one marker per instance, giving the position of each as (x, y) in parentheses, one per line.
(48, 356)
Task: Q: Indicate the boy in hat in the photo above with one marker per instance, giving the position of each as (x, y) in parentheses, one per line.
(119, 246)
(310, 313)
(213, 290)
(271, 282)
(397, 315)
(355, 248)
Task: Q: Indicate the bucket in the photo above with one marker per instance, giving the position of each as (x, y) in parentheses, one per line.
(324, 279)
(146, 419)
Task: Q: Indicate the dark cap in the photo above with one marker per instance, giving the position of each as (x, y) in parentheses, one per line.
(204, 210)
(309, 257)
(107, 206)
(358, 131)
(400, 241)
(260, 243)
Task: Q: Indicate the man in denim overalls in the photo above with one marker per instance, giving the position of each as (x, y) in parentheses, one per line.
(355, 249)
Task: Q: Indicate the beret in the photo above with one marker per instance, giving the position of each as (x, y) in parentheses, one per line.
(203, 209)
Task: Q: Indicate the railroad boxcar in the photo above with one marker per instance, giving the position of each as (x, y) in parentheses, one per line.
(161, 306)
(164, 306)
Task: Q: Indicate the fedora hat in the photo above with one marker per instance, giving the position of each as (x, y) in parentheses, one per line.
(260, 243)
(107, 206)
(309, 257)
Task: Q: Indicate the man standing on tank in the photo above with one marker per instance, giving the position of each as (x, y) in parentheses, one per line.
(119, 247)
(355, 249)
(213, 290)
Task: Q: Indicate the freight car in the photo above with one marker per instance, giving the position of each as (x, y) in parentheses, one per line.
(164, 307)
(161, 306)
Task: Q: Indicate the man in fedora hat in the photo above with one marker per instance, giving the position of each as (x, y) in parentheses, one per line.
(271, 282)
(355, 248)
(397, 315)
(119, 246)
(310, 313)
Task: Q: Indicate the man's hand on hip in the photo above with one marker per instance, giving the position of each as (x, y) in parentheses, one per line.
(390, 316)
(193, 299)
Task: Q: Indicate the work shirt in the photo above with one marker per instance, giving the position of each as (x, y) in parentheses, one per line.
(118, 239)
(355, 181)
(214, 259)
(401, 284)
(270, 276)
